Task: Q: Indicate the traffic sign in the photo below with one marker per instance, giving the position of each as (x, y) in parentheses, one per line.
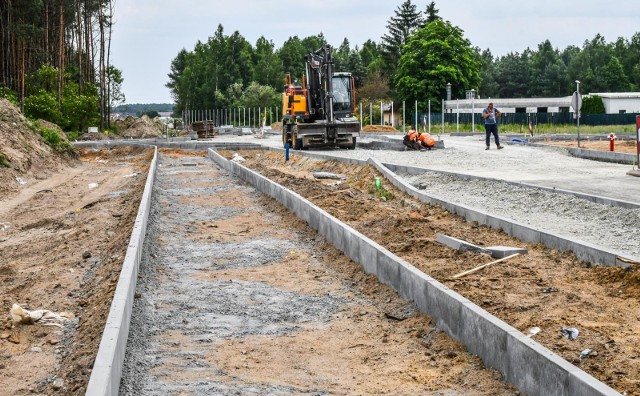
(576, 102)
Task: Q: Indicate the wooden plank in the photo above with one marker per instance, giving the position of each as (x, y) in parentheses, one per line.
(478, 268)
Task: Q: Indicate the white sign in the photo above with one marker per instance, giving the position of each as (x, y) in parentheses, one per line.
(576, 102)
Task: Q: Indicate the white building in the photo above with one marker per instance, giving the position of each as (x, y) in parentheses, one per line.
(620, 102)
(614, 103)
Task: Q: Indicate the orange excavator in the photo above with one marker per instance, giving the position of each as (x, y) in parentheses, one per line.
(320, 111)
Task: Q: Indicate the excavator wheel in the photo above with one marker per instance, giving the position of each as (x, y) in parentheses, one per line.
(298, 145)
(353, 145)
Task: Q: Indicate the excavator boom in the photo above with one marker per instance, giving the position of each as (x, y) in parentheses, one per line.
(321, 112)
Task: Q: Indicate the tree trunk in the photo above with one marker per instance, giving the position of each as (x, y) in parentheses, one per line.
(111, 7)
(79, 38)
(61, 58)
(101, 22)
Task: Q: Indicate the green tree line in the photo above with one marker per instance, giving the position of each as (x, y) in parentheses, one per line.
(55, 64)
(415, 60)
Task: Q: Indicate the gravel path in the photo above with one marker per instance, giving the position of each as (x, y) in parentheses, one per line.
(179, 312)
(235, 297)
(614, 228)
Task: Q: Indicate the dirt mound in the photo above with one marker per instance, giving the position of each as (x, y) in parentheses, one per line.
(379, 128)
(122, 125)
(93, 136)
(276, 126)
(24, 155)
(143, 127)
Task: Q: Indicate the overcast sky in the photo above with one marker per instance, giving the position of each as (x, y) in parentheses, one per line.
(148, 34)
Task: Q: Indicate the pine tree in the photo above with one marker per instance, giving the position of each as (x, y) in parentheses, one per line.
(404, 23)
(432, 12)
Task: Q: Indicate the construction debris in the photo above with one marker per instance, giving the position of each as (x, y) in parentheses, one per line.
(45, 317)
(471, 271)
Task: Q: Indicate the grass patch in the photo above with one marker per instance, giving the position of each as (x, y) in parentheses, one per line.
(57, 143)
(72, 136)
(540, 129)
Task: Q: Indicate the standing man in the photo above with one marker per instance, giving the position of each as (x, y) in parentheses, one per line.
(490, 115)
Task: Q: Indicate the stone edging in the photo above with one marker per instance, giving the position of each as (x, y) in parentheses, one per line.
(525, 363)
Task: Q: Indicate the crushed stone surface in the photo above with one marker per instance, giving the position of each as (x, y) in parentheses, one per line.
(599, 224)
(236, 295)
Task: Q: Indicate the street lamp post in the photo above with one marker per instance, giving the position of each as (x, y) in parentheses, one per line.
(578, 110)
(473, 111)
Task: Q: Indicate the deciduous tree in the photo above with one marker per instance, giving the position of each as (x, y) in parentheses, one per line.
(436, 55)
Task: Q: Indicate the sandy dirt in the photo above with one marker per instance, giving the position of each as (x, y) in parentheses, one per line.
(62, 243)
(238, 296)
(545, 288)
(328, 327)
(620, 146)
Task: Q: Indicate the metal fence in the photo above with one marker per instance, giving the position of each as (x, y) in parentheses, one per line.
(253, 117)
(539, 118)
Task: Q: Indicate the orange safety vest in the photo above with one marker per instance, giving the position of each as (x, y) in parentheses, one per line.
(412, 136)
(427, 139)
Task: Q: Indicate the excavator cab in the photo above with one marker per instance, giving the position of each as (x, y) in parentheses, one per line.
(342, 95)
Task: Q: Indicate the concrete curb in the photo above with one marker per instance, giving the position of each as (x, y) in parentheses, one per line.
(584, 251)
(592, 198)
(528, 365)
(603, 156)
(107, 368)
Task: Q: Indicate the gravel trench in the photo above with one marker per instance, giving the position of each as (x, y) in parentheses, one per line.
(177, 314)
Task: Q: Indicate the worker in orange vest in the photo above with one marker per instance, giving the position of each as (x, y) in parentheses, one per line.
(426, 141)
(411, 139)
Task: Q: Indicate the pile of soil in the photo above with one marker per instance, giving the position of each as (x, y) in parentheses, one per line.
(24, 156)
(277, 126)
(143, 127)
(546, 288)
(379, 128)
(92, 136)
(121, 125)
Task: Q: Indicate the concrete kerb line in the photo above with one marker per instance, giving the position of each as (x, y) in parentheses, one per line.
(498, 344)
(592, 198)
(584, 251)
(107, 368)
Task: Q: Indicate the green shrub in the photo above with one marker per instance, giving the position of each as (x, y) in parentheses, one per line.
(593, 105)
(72, 136)
(42, 105)
(57, 143)
(11, 96)
(4, 161)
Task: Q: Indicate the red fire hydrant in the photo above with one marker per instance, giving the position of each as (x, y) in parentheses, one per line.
(612, 138)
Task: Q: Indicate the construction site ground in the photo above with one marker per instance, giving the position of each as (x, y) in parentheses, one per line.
(238, 296)
(545, 288)
(62, 240)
